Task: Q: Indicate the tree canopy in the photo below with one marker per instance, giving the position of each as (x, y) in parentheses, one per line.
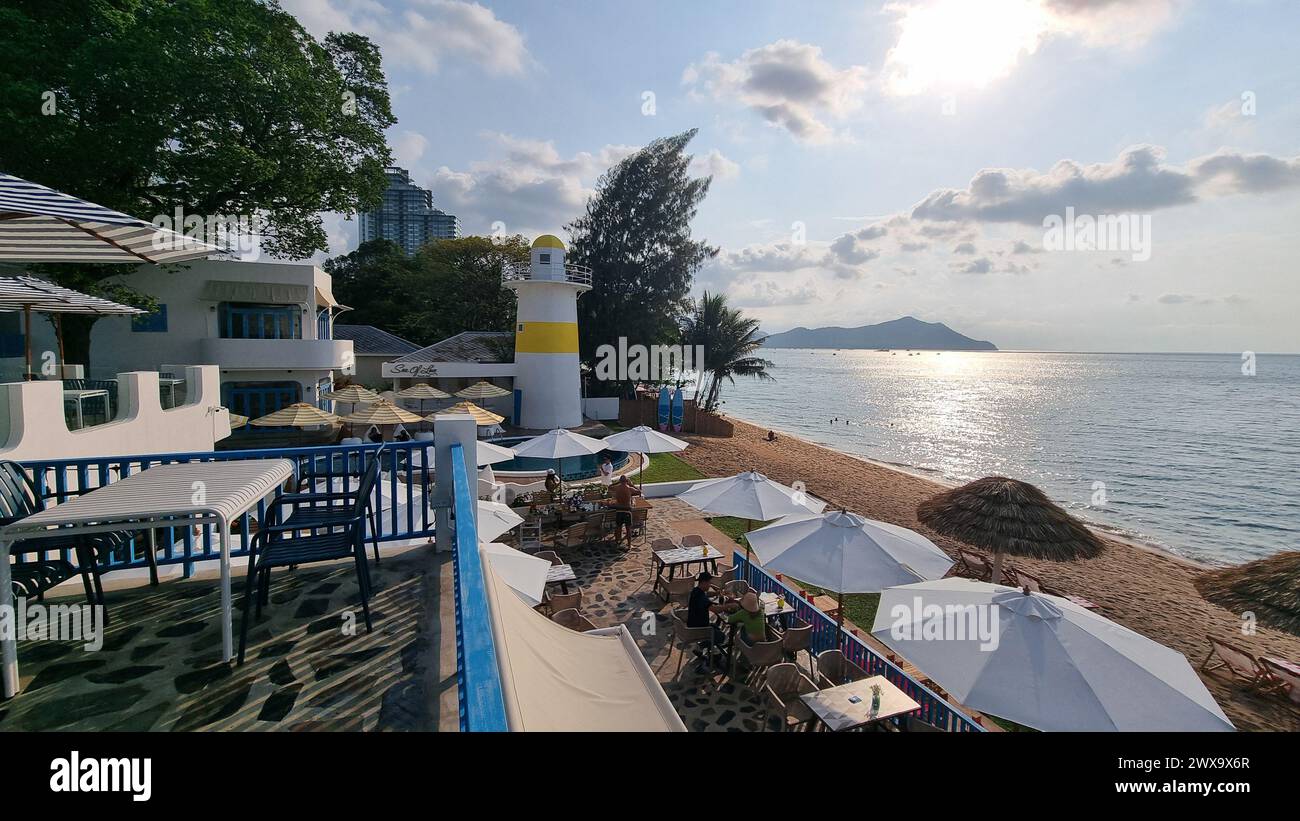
(449, 286)
(215, 107)
(636, 236)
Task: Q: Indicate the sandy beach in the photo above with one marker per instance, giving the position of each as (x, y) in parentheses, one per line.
(1146, 590)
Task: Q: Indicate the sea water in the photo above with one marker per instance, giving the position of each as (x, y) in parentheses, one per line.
(1189, 452)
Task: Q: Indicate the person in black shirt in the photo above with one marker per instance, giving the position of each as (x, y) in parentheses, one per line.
(699, 611)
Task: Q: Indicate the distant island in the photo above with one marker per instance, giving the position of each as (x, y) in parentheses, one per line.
(900, 334)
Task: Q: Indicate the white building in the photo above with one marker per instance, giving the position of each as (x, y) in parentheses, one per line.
(267, 326)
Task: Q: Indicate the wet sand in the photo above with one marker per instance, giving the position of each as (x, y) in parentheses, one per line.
(1144, 589)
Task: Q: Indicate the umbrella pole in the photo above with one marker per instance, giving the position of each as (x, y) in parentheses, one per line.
(839, 620)
(27, 339)
(58, 337)
(996, 576)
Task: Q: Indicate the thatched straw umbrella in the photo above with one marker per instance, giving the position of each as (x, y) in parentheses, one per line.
(1006, 516)
(1269, 588)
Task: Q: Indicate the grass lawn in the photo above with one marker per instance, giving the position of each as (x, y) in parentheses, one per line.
(859, 608)
(665, 467)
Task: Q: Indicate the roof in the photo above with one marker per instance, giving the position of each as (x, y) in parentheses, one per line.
(548, 241)
(467, 346)
(368, 340)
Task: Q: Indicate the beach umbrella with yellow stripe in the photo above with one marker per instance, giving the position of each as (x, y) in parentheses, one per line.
(423, 392)
(482, 390)
(237, 421)
(382, 412)
(481, 416)
(352, 394)
(297, 415)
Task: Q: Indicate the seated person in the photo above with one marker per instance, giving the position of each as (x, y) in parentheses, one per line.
(700, 608)
(552, 484)
(750, 616)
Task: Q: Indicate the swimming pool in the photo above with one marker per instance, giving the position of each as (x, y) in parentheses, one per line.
(574, 467)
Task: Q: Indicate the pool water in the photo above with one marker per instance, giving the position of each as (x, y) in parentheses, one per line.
(574, 467)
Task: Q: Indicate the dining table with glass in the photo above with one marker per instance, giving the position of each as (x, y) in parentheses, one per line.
(859, 704)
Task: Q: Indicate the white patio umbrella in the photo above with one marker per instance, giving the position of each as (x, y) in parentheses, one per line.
(559, 444)
(524, 574)
(494, 519)
(750, 496)
(486, 454)
(644, 439)
(1042, 660)
(847, 553)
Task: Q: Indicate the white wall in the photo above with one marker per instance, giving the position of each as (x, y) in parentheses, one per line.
(191, 319)
(600, 407)
(37, 430)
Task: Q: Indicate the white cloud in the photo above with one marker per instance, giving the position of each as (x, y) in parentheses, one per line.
(788, 83)
(425, 35)
(1137, 181)
(714, 164)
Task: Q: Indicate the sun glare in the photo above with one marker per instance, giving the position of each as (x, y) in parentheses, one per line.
(960, 44)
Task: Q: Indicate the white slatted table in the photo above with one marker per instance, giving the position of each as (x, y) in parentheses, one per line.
(195, 493)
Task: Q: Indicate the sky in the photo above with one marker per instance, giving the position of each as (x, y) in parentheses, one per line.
(933, 158)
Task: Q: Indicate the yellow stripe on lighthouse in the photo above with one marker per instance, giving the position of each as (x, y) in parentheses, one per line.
(546, 337)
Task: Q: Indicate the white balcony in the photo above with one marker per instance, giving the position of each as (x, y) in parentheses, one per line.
(277, 354)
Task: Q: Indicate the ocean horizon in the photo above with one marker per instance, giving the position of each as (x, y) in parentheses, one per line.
(1184, 452)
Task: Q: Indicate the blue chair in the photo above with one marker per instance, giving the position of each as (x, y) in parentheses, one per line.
(317, 511)
(279, 545)
(19, 498)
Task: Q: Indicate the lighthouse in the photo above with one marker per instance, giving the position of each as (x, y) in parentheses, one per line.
(547, 382)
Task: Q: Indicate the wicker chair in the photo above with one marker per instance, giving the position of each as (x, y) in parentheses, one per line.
(673, 589)
(564, 601)
(573, 620)
(686, 636)
(833, 669)
(639, 518)
(796, 637)
(572, 536)
(782, 686)
(735, 589)
(596, 529)
(759, 656)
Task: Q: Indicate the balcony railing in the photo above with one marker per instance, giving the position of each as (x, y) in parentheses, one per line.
(934, 709)
(574, 274)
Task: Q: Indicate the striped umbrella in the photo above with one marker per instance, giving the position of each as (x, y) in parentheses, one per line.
(481, 416)
(237, 421)
(39, 224)
(382, 412)
(482, 390)
(297, 415)
(27, 294)
(422, 392)
(352, 394)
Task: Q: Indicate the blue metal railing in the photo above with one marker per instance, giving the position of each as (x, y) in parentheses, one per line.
(404, 505)
(934, 709)
(478, 678)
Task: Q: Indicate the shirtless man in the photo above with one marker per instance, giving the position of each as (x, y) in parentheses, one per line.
(623, 491)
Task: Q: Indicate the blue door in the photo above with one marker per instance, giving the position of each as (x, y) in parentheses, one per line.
(519, 405)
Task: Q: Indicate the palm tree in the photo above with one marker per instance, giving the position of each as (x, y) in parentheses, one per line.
(730, 341)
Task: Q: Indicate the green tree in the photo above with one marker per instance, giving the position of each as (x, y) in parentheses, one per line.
(731, 342)
(371, 280)
(216, 107)
(449, 286)
(636, 236)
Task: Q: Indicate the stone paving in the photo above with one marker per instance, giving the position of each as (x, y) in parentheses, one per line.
(306, 669)
(616, 585)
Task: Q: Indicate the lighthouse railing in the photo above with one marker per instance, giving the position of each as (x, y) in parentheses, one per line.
(574, 274)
